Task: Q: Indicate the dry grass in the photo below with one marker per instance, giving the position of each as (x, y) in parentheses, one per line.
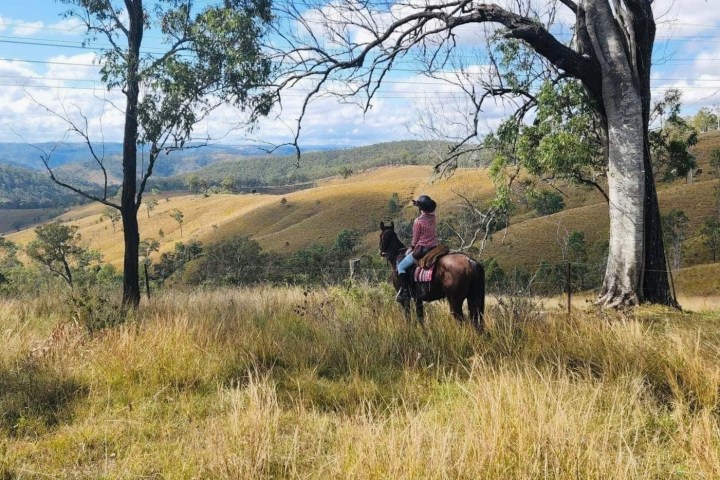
(274, 383)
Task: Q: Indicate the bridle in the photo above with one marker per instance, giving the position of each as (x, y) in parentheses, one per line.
(387, 250)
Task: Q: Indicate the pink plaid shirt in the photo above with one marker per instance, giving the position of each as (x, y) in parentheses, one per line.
(424, 231)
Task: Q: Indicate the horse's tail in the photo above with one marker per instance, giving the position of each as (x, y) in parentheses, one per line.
(476, 296)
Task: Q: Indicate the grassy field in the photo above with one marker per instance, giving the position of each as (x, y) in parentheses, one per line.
(281, 383)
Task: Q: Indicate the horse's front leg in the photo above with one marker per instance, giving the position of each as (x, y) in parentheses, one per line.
(420, 311)
(406, 309)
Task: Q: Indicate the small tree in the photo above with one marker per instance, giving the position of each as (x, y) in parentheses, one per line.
(347, 241)
(196, 184)
(546, 202)
(179, 217)
(147, 247)
(229, 183)
(394, 205)
(113, 215)
(675, 224)
(715, 161)
(8, 257)
(57, 247)
(711, 236)
(150, 206)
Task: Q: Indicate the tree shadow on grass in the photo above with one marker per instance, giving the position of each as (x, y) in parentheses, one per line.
(34, 399)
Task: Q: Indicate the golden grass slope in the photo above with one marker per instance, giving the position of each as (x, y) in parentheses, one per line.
(306, 217)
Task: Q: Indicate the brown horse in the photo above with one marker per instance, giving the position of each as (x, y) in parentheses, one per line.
(457, 277)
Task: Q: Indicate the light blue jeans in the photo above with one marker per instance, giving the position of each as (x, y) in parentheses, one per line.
(405, 263)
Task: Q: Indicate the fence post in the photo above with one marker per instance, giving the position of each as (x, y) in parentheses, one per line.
(352, 262)
(147, 281)
(569, 290)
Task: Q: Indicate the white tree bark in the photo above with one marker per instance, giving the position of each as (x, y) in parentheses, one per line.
(626, 171)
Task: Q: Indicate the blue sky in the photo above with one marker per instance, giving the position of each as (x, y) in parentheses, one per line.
(41, 62)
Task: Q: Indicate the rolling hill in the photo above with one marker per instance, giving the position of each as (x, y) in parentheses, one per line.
(287, 222)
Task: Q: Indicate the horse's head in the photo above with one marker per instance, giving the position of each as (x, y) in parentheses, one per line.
(387, 234)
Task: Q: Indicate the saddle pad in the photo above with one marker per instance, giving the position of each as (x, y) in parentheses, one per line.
(428, 261)
(423, 275)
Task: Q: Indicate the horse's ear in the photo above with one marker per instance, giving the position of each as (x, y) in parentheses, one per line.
(392, 225)
(382, 225)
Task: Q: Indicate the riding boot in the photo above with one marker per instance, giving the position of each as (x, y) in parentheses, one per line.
(403, 294)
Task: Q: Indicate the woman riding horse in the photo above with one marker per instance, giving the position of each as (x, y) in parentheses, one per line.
(424, 239)
(456, 276)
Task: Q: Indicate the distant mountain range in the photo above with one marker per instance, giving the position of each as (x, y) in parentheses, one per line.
(77, 154)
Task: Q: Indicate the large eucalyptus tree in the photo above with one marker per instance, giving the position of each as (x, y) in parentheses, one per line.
(609, 53)
(203, 54)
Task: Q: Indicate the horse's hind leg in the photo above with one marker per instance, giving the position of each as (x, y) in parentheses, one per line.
(420, 311)
(476, 314)
(456, 308)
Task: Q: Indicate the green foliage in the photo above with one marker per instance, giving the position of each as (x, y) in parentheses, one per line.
(347, 241)
(563, 142)
(547, 202)
(705, 120)
(171, 262)
(229, 183)
(150, 205)
(23, 188)
(112, 214)
(253, 172)
(671, 144)
(394, 205)
(715, 160)
(179, 217)
(196, 184)
(237, 261)
(57, 248)
(710, 231)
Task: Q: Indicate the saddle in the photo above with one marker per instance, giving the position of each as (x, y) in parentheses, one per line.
(429, 259)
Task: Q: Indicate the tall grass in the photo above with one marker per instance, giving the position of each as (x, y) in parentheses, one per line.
(282, 383)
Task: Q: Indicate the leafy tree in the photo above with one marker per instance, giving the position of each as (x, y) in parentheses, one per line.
(705, 120)
(170, 263)
(347, 241)
(394, 205)
(179, 217)
(150, 206)
(147, 247)
(675, 224)
(8, 257)
(547, 202)
(671, 144)
(711, 236)
(113, 215)
(229, 183)
(196, 184)
(237, 261)
(211, 55)
(609, 55)
(715, 161)
(57, 247)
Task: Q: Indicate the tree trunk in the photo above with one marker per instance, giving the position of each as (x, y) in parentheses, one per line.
(131, 274)
(128, 210)
(623, 108)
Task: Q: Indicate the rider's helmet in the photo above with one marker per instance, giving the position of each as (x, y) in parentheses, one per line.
(425, 203)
